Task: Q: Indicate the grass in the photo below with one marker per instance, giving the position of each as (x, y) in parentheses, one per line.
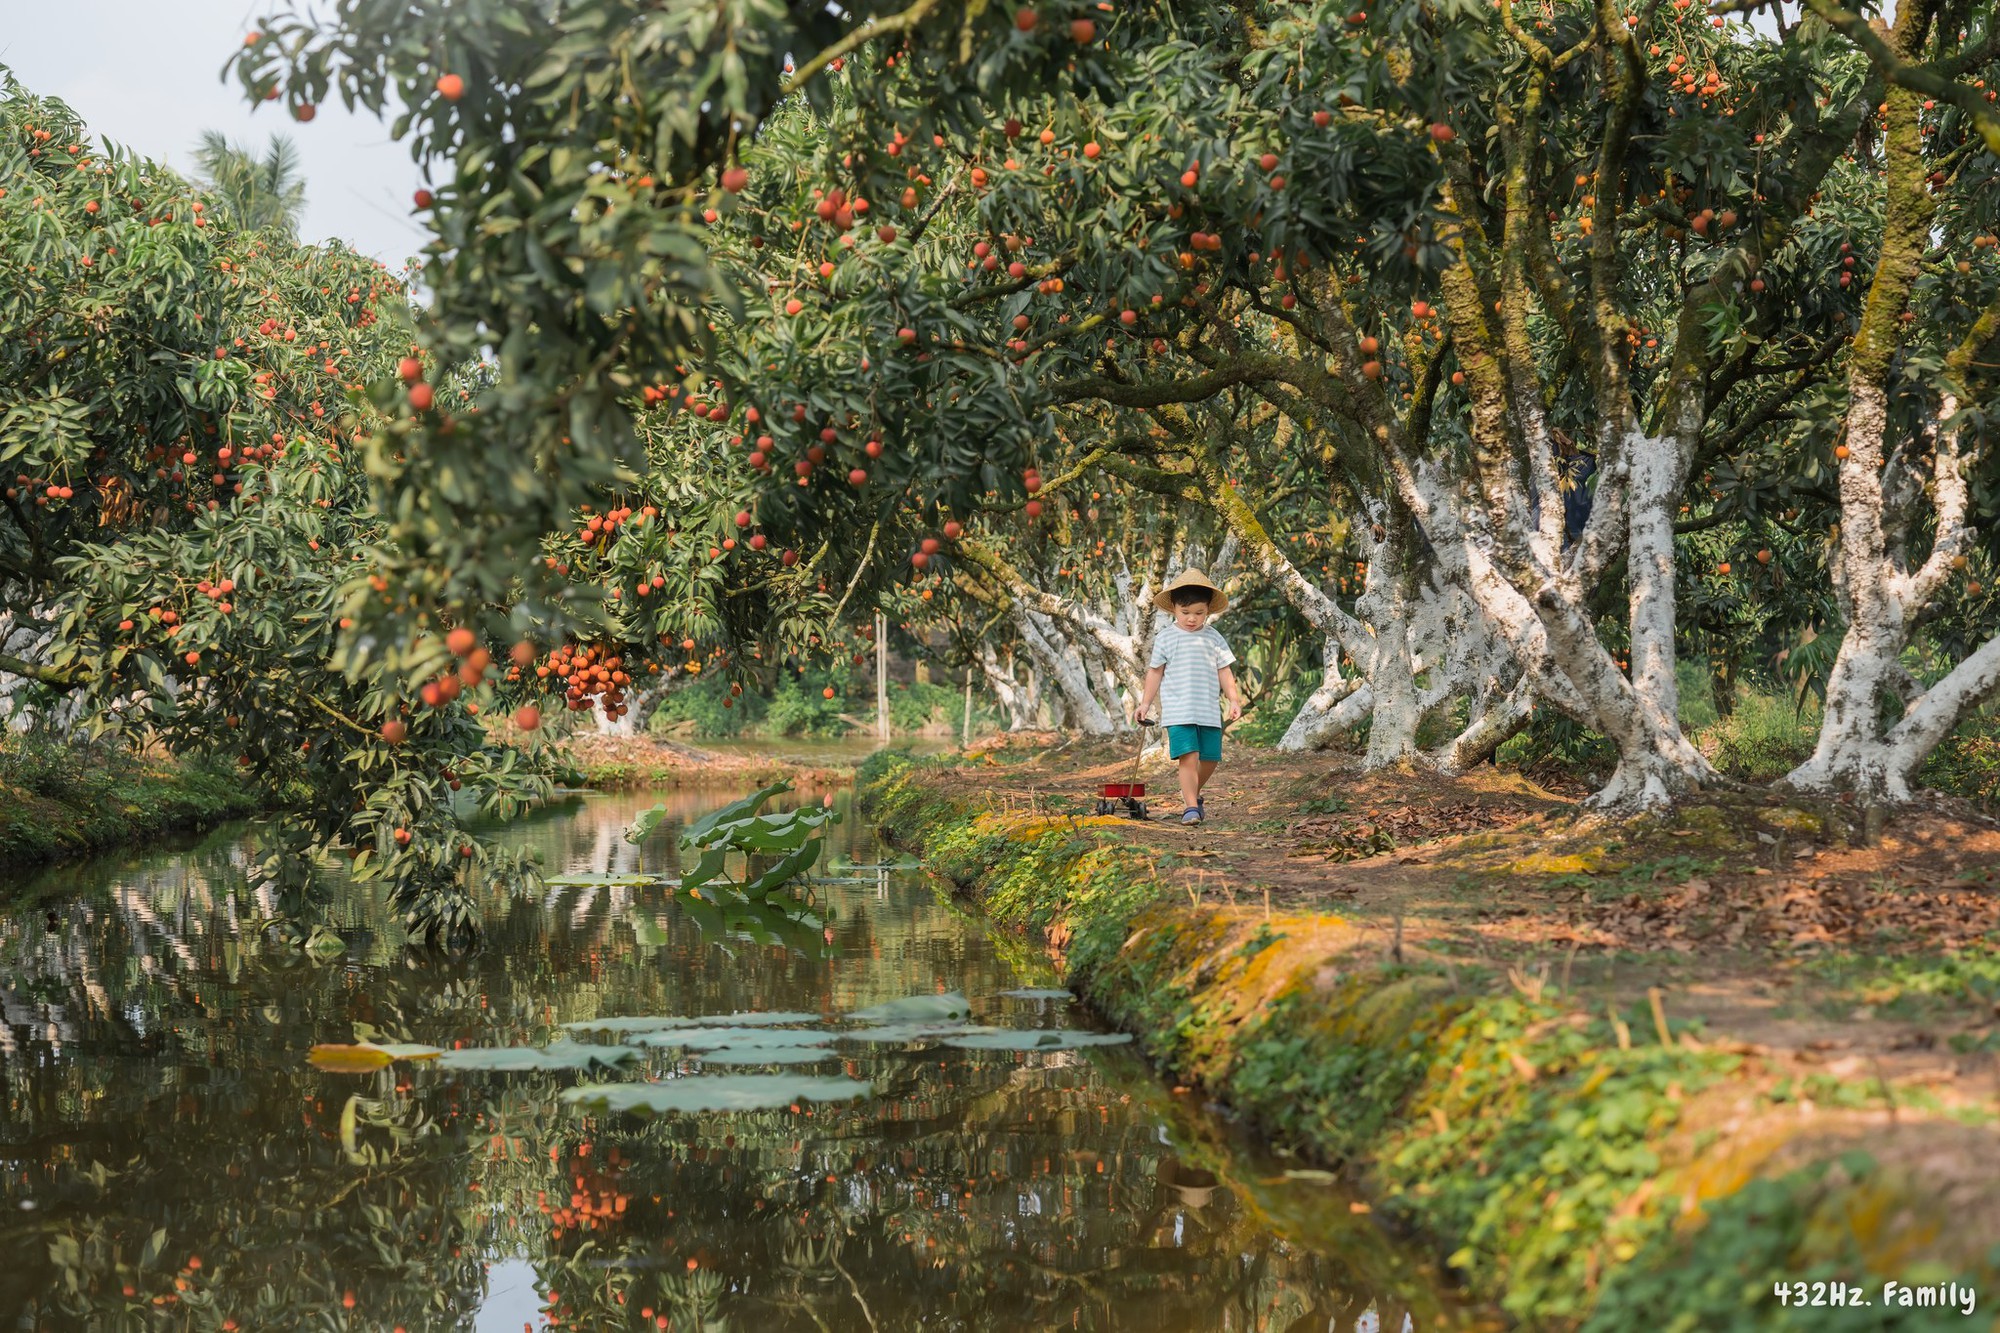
(62, 796)
(1557, 1151)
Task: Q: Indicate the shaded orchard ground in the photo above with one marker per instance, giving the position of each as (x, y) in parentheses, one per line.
(1804, 931)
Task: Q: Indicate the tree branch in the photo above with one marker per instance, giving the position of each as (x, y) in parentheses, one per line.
(867, 32)
(14, 666)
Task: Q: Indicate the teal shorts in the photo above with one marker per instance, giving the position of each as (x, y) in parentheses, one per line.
(1206, 742)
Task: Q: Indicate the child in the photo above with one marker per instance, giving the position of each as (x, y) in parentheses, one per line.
(1190, 670)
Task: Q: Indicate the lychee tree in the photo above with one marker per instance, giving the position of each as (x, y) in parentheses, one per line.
(569, 179)
(1507, 256)
(184, 522)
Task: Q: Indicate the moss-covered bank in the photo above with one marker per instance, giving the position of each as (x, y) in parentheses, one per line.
(61, 798)
(1581, 1169)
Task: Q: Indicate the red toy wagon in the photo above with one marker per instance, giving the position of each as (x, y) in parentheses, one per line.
(1131, 793)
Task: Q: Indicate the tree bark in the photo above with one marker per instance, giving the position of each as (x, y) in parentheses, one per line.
(1059, 663)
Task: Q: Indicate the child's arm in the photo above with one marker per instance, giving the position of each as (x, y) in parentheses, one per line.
(1150, 693)
(1227, 679)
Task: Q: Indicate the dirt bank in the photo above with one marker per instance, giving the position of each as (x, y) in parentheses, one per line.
(616, 763)
(61, 799)
(1623, 1074)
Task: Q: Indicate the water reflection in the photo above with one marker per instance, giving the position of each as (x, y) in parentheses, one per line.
(171, 1161)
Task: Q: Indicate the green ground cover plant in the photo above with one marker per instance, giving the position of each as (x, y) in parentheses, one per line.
(1546, 1148)
(64, 797)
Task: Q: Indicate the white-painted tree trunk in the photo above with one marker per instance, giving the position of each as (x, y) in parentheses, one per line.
(1389, 660)
(1495, 719)
(1017, 703)
(1882, 603)
(1548, 628)
(1327, 713)
(614, 726)
(1060, 665)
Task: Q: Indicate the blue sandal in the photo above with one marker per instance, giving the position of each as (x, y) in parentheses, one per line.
(1191, 815)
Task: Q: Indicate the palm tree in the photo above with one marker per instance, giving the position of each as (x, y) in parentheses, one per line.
(259, 193)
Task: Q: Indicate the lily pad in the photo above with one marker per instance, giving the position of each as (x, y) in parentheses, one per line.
(628, 880)
(766, 1055)
(1036, 1039)
(717, 1092)
(654, 1023)
(903, 1033)
(715, 1039)
(1038, 993)
(556, 1055)
(917, 1009)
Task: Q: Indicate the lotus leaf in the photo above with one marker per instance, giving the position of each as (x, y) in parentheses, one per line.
(1037, 993)
(696, 834)
(707, 868)
(650, 1023)
(641, 828)
(628, 880)
(557, 1055)
(766, 1055)
(908, 1032)
(715, 1039)
(717, 1092)
(766, 833)
(1037, 1039)
(787, 866)
(917, 1009)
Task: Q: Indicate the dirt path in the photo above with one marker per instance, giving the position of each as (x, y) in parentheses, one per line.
(1784, 928)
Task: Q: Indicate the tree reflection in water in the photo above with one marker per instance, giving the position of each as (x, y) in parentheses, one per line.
(171, 1161)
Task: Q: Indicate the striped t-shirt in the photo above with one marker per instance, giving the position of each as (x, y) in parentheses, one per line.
(1191, 690)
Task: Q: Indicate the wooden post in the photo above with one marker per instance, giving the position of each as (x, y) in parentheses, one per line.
(881, 676)
(965, 731)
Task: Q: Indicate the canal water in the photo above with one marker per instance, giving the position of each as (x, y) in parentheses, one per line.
(172, 1160)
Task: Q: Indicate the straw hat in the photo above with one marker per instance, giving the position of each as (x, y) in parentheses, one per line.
(1191, 578)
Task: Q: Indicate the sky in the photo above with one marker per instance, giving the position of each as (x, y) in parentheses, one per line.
(146, 73)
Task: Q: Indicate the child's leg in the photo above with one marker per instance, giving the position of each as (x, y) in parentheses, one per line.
(1209, 751)
(1192, 777)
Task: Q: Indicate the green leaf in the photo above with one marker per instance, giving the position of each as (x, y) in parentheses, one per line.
(647, 1023)
(716, 1092)
(901, 1034)
(641, 828)
(1032, 1039)
(788, 867)
(696, 834)
(515, 1059)
(715, 1039)
(707, 868)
